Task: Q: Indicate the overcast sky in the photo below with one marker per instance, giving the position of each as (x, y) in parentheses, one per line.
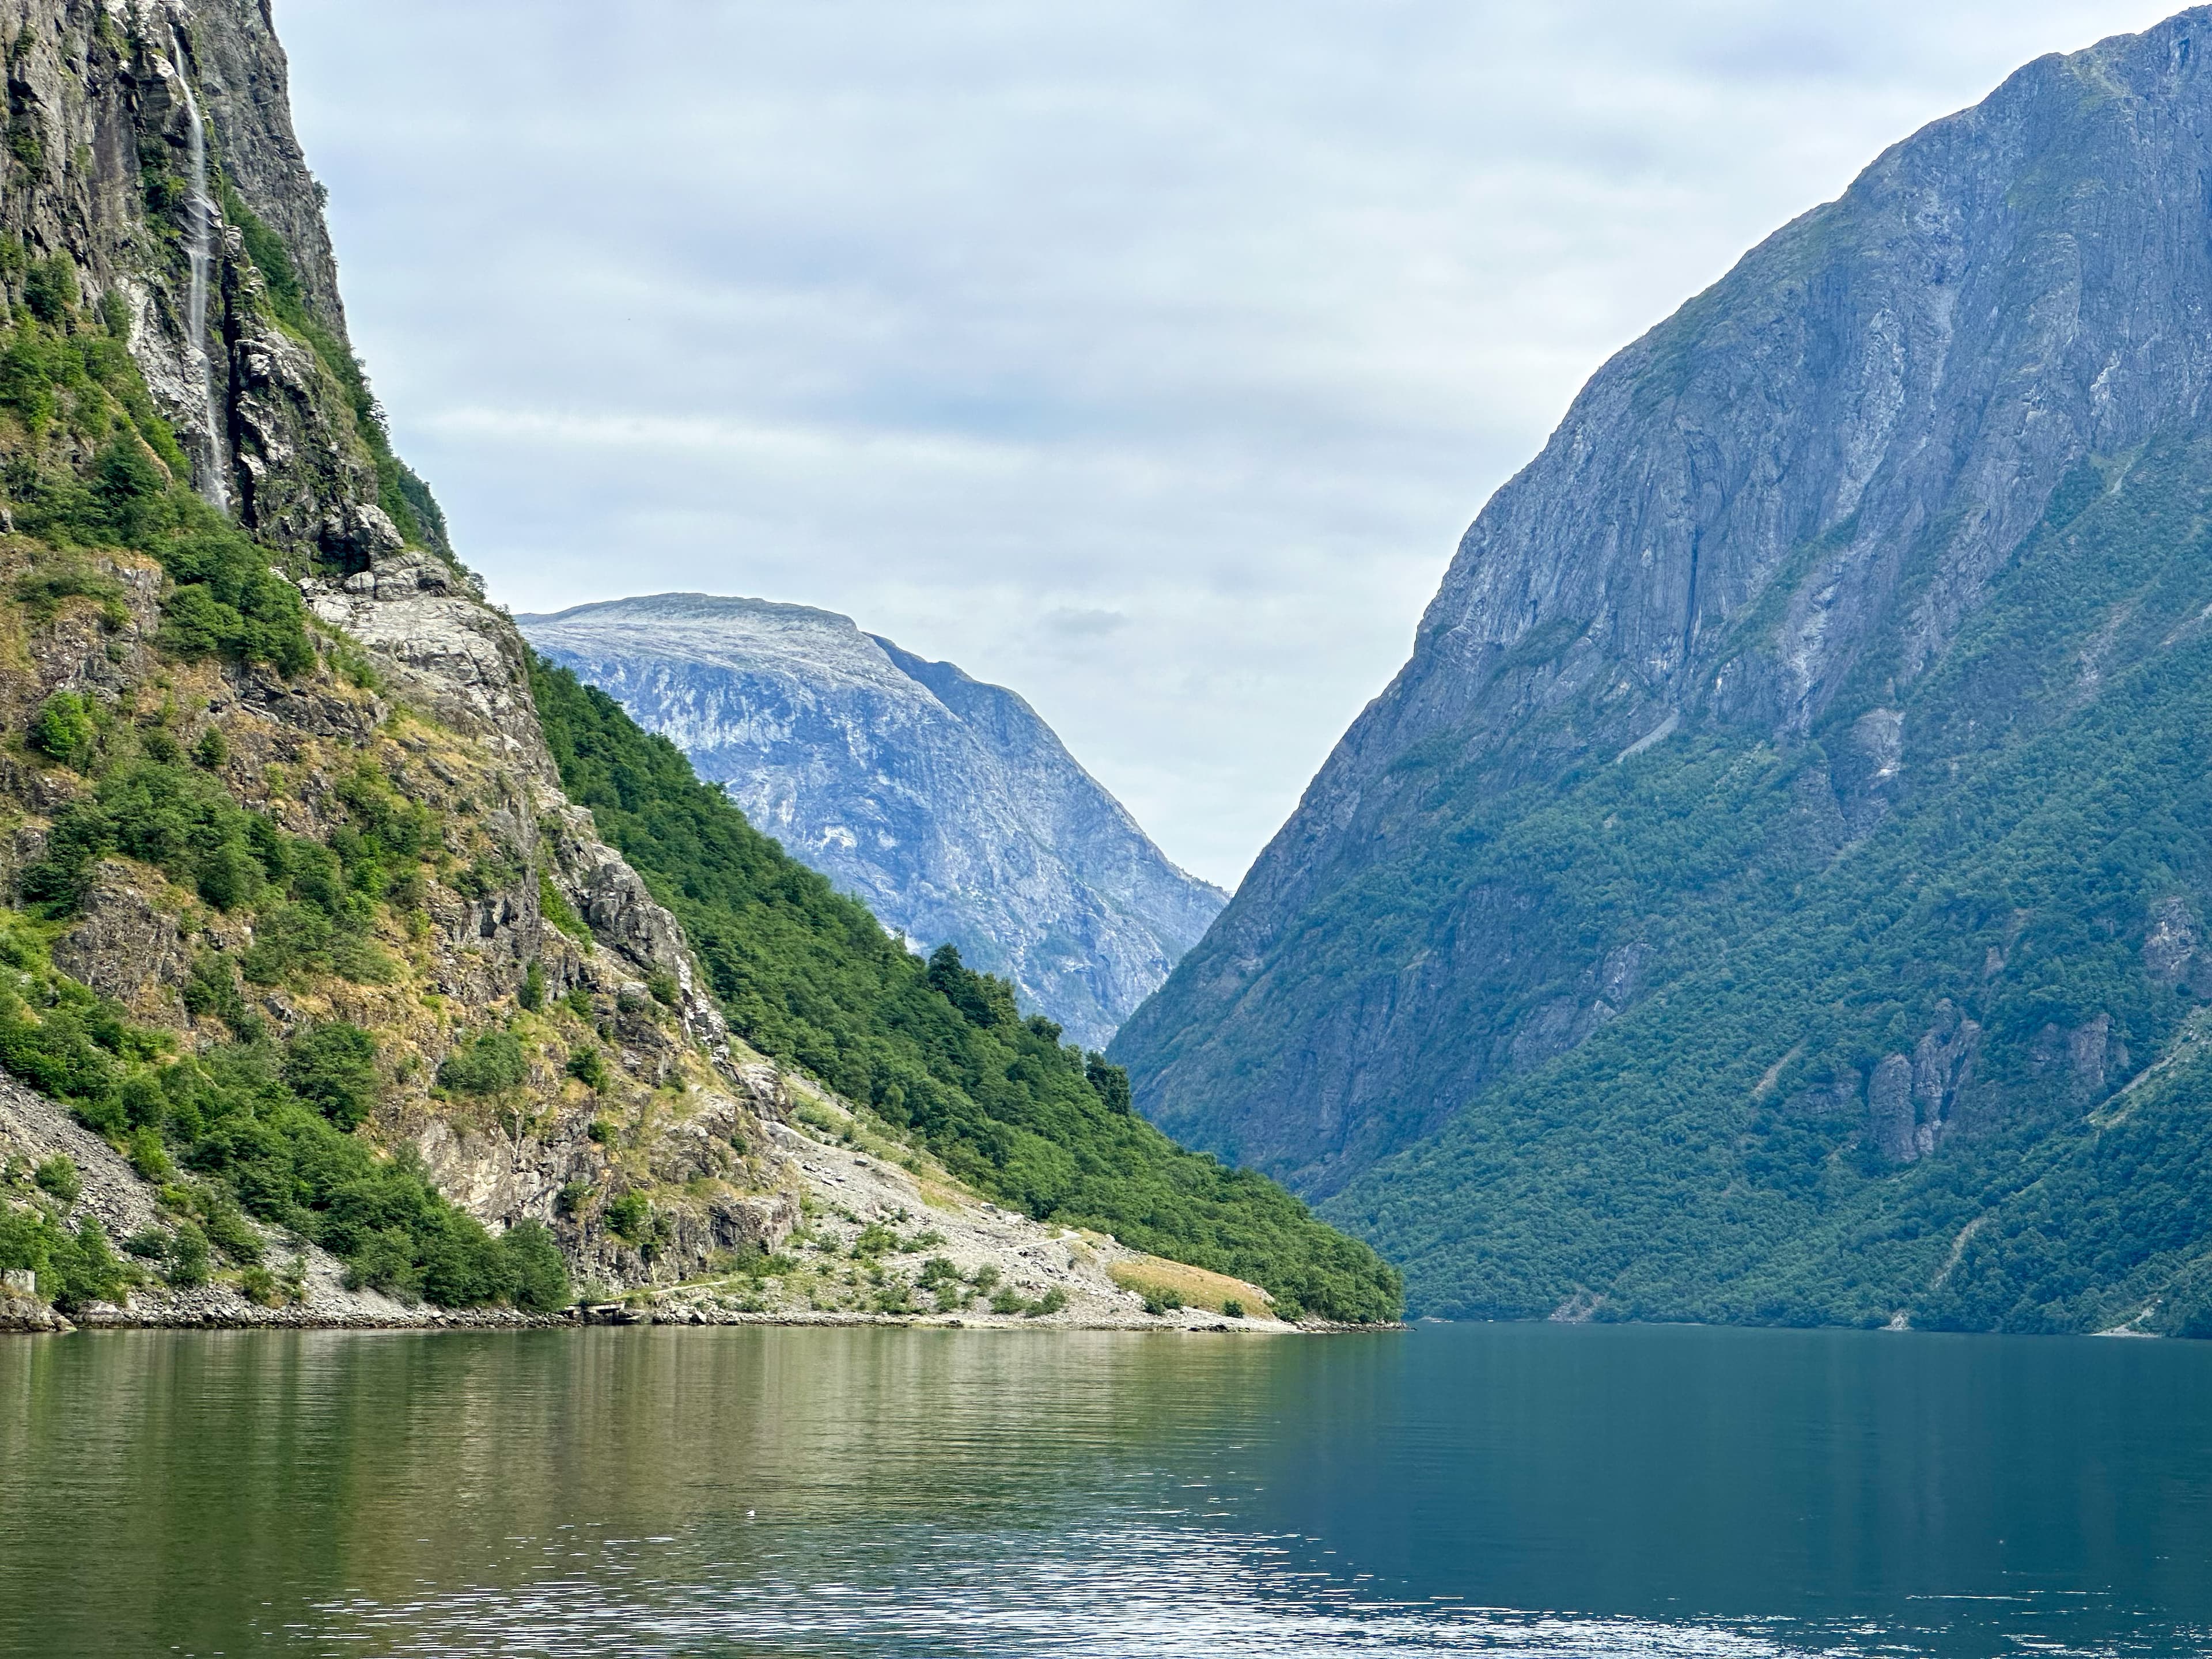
(1148, 358)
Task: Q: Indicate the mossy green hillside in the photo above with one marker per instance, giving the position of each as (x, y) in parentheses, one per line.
(89, 475)
(250, 1120)
(253, 1125)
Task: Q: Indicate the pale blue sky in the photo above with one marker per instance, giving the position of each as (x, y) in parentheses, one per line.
(1146, 357)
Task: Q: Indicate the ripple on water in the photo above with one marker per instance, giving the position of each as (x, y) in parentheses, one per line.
(1126, 1593)
(1130, 1592)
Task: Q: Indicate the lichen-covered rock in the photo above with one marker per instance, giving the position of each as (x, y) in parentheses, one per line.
(31, 1313)
(462, 658)
(305, 480)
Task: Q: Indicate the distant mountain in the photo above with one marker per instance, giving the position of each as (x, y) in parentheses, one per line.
(945, 804)
(1779, 886)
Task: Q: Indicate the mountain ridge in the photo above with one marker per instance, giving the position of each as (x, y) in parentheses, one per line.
(322, 997)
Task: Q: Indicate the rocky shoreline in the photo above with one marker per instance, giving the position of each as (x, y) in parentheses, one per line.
(935, 1243)
(1062, 1280)
(24, 1315)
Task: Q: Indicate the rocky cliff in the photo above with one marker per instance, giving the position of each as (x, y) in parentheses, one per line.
(155, 185)
(943, 803)
(1781, 849)
(319, 999)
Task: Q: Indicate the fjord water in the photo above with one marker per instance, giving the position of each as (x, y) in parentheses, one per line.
(1478, 1489)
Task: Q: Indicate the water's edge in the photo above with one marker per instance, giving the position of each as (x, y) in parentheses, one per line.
(22, 1317)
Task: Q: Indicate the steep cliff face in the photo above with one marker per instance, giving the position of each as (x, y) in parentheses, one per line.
(321, 999)
(1825, 575)
(154, 183)
(945, 804)
(105, 170)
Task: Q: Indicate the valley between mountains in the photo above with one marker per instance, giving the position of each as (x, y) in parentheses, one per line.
(943, 803)
(1777, 890)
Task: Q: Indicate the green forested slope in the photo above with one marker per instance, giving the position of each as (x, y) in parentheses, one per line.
(2028, 916)
(808, 975)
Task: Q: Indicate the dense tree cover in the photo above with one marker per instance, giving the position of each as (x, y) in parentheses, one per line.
(1708, 1155)
(808, 975)
(489, 1063)
(73, 1267)
(252, 1124)
(269, 1123)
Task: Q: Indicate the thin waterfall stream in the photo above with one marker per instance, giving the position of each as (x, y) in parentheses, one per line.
(200, 248)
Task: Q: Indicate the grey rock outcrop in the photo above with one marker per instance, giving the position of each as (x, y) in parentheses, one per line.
(100, 128)
(123, 944)
(945, 804)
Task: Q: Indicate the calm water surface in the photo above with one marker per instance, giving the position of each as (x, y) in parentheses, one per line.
(1516, 1490)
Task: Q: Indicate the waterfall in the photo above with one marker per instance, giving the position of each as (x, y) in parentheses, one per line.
(217, 457)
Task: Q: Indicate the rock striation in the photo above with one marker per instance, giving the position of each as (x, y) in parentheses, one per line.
(945, 804)
(1880, 554)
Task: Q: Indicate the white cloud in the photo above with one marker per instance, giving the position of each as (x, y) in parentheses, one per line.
(1146, 357)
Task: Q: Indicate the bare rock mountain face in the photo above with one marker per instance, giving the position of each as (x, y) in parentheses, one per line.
(319, 999)
(945, 804)
(1774, 887)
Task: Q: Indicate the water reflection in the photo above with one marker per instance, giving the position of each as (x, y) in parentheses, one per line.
(1488, 1489)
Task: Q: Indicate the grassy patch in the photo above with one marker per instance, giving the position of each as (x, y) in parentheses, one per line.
(1177, 1284)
